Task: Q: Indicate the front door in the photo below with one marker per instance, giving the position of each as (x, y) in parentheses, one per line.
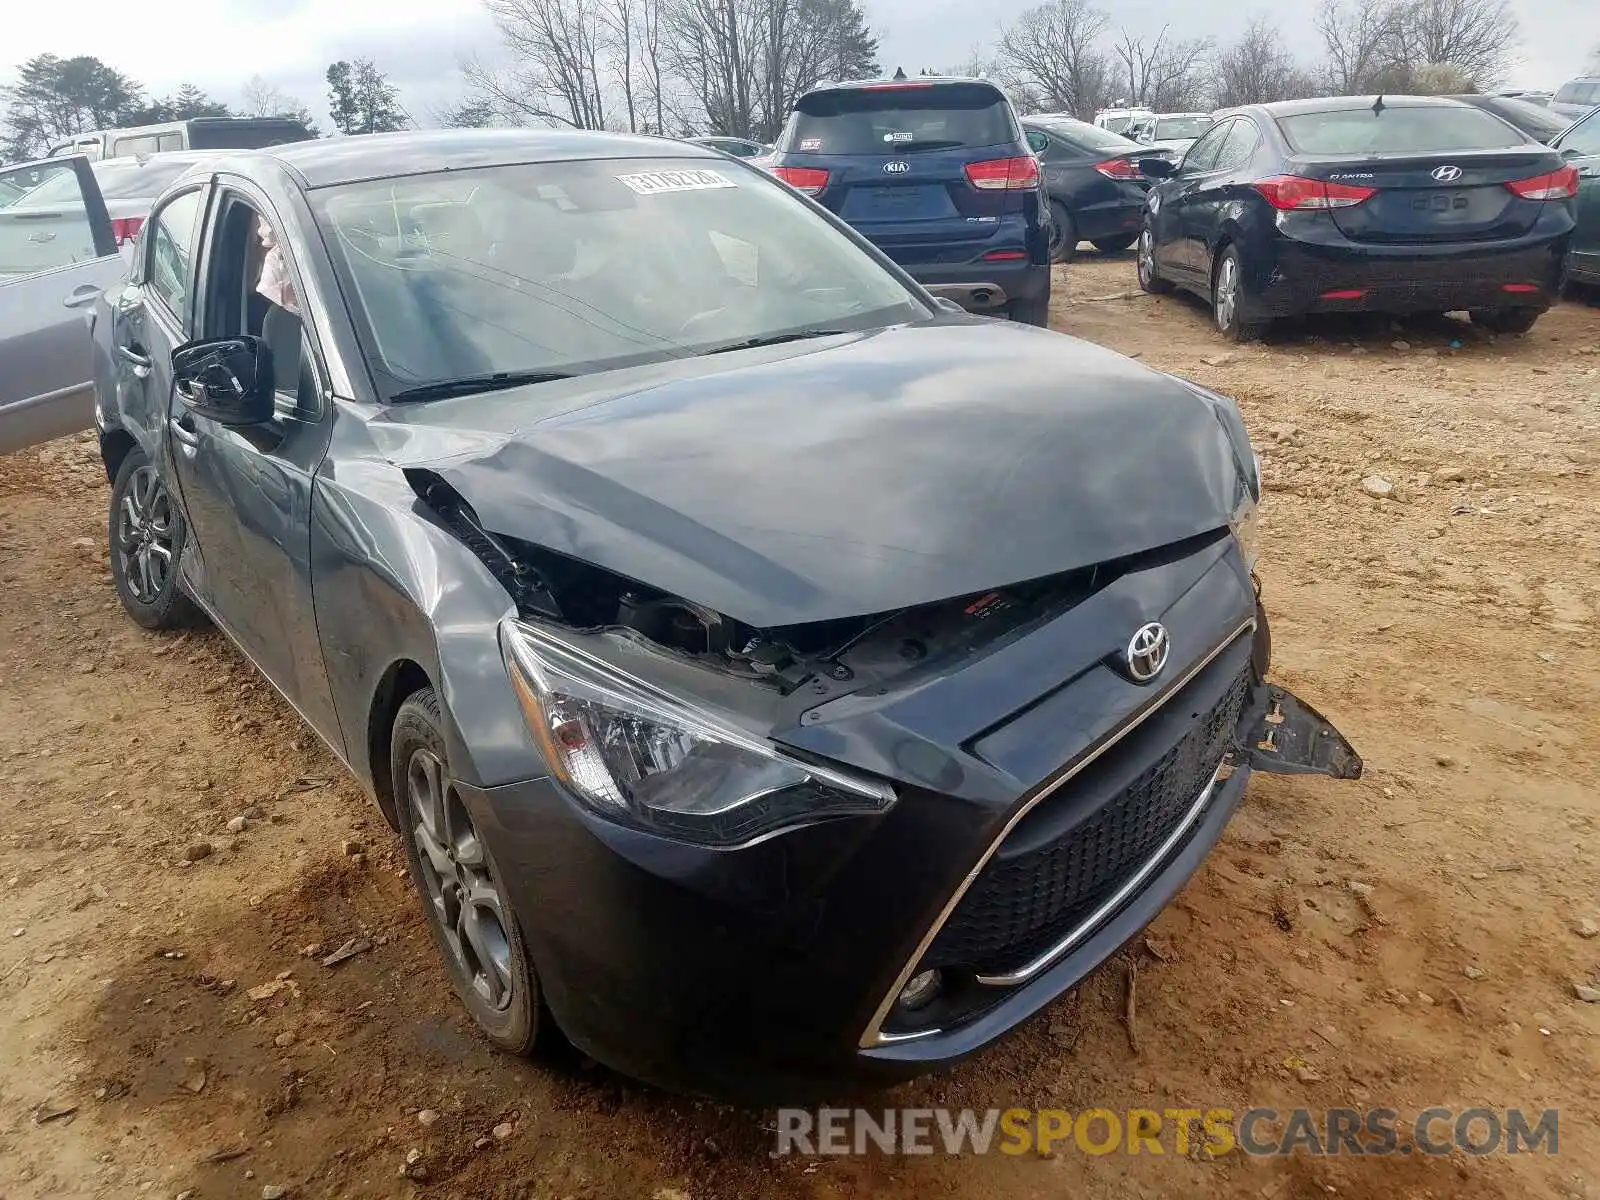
(247, 491)
(1580, 146)
(1174, 220)
(57, 254)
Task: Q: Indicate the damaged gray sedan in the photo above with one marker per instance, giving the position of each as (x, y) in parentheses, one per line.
(778, 680)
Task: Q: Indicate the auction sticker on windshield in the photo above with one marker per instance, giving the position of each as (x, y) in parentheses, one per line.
(651, 183)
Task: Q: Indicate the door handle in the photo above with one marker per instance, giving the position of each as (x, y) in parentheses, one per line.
(188, 436)
(139, 362)
(83, 294)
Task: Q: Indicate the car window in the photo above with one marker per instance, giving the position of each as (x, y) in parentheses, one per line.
(1398, 129)
(1238, 146)
(1093, 138)
(583, 266)
(1202, 156)
(146, 143)
(1535, 120)
(169, 244)
(44, 222)
(1583, 138)
(169, 141)
(901, 119)
(1170, 129)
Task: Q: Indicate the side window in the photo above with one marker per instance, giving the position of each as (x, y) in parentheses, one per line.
(144, 144)
(169, 249)
(1202, 156)
(1583, 139)
(1239, 146)
(169, 141)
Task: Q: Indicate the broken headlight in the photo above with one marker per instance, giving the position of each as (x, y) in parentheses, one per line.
(637, 755)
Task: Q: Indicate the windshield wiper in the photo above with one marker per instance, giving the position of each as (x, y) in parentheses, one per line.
(469, 385)
(774, 339)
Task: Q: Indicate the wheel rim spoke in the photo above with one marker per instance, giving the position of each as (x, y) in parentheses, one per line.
(425, 785)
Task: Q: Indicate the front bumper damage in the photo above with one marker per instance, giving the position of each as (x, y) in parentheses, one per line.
(1283, 735)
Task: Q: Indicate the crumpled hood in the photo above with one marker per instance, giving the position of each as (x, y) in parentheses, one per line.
(846, 476)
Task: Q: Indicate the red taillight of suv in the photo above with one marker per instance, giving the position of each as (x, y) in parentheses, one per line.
(1120, 168)
(1560, 184)
(125, 229)
(1292, 193)
(1004, 174)
(808, 181)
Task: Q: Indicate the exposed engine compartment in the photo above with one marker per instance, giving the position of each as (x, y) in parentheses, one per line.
(854, 650)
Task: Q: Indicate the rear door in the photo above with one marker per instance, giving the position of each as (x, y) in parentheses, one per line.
(892, 159)
(1580, 146)
(57, 254)
(1437, 172)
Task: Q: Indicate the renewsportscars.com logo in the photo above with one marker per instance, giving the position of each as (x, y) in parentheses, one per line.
(1259, 1132)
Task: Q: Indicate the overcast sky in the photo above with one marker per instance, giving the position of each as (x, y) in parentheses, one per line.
(218, 44)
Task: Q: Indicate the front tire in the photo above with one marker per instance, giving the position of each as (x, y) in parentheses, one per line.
(463, 898)
(1149, 279)
(1506, 320)
(1035, 311)
(147, 536)
(1063, 234)
(1227, 298)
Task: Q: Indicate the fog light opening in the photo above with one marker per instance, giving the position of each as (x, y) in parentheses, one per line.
(920, 990)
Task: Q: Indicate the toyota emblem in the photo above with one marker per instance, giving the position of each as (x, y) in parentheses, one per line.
(1447, 174)
(1147, 652)
(897, 166)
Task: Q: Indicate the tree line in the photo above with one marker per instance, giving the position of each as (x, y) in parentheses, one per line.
(1066, 56)
(56, 98)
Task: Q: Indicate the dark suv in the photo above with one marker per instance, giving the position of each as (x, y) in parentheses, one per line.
(936, 173)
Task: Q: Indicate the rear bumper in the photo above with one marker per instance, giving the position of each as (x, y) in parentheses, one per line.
(1115, 218)
(985, 287)
(1309, 277)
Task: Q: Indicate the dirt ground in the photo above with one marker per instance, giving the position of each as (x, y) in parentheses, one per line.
(179, 1009)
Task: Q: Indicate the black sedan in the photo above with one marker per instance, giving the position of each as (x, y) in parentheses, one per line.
(627, 525)
(1538, 121)
(1397, 204)
(1094, 182)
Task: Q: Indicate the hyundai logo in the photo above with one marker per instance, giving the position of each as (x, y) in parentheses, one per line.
(897, 166)
(1447, 174)
(1147, 652)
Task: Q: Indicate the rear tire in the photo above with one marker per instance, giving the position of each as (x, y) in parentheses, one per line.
(1031, 312)
(147, 534)
(1506, 320)
(462, 892)
(1149, 280)
(1227, 296)
(1114, 245)
(1063, 234)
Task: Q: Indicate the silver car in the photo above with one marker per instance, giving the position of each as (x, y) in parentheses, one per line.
(57, 254)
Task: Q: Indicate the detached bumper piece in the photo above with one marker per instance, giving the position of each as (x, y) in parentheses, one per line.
(1283, 735)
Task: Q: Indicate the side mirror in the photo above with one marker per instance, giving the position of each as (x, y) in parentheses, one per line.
(226, 380)
(1157, 168)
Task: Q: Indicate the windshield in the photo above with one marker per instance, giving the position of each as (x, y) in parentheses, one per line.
(1398, 130)
(901, 118)
(1173, 129)
(1090, 137)
(573, 267)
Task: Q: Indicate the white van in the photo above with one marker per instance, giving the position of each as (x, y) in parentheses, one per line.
(1121, 120)
(196, 133)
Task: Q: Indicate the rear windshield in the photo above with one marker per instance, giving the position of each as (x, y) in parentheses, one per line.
(902, 119)
(1170, 129)
(246, 135)
(1535, 119)
(131, 180)
(1090, 137)
(1397, 130)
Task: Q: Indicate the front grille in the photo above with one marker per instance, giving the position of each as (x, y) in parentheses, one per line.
(1021, 905)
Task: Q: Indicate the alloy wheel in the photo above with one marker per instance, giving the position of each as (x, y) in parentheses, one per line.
(144, 535)
(461, 886)
(1227, 294)
(1147, 257)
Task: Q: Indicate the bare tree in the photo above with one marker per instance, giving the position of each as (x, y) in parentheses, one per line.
(1163, 74)
(1258, 69)
(1361, 41)
(555, 75)
(1051, 57)
(620, 19)
(1475, 36)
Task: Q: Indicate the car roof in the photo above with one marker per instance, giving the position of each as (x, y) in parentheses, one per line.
(325, 162)
(909, 83)
(1291, 108)
(165, 156)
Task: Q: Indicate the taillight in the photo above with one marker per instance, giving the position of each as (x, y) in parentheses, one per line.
(1292, 193)
(1119, 168)
(1560, 184)
(125, 229)
(808, 181)
(1004, 173)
